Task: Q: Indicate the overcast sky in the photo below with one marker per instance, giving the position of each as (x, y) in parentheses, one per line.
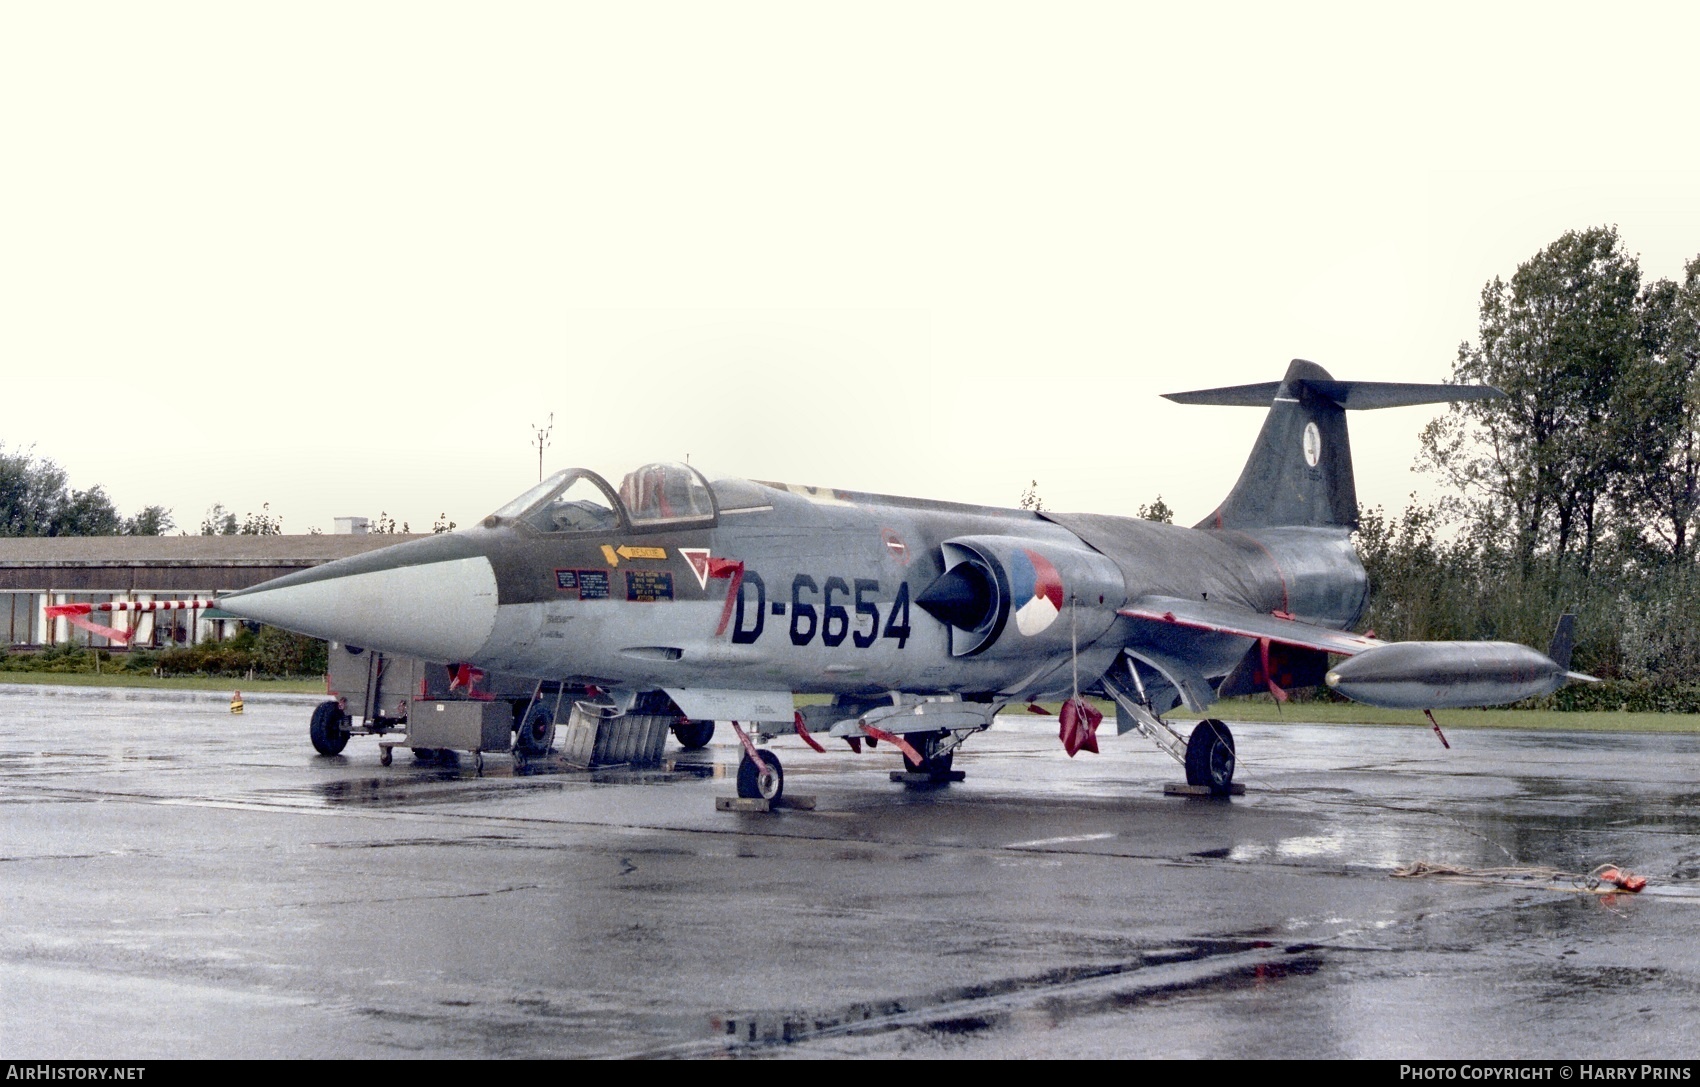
(339, 257)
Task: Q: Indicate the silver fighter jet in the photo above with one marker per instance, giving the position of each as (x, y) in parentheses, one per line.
(920, 620)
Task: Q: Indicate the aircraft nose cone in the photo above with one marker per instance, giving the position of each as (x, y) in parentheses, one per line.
(429, 603)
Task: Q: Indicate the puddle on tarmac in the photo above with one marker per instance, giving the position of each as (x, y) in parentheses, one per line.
(1046, 999)
(454, 780)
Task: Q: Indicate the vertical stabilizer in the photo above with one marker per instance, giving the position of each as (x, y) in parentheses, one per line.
(1300, 470)
(1563, 640)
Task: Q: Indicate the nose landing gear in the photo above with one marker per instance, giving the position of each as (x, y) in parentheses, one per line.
(763, 782)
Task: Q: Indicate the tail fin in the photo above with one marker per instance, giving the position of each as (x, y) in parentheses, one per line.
(1300, 470)
(1563, 640)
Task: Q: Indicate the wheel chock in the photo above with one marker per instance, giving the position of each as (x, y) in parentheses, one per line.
(1175, 788)
(904, 777)
(739, 803)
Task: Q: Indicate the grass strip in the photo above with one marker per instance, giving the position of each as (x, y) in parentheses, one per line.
(165, 683)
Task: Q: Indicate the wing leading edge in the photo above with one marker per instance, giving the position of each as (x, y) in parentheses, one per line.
(1228, 619)
(1396, 675)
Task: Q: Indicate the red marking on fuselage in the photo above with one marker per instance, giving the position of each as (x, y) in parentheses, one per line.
(894, 543)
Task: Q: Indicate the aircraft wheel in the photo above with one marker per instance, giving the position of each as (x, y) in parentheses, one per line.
(693, 734)
(536, 734)
(1210, 757)
(328, 730)
(932, 763)
(761, 784)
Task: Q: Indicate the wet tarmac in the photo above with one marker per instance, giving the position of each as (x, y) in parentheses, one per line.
(178, 882)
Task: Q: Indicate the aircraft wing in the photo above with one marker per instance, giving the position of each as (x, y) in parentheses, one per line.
(1228, 619)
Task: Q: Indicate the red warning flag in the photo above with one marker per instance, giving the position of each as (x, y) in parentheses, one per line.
(1078, 726)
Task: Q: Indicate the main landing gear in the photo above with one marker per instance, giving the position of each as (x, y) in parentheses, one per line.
(935, 763)
(1210, 757)
(693, 735)
(1208, 754)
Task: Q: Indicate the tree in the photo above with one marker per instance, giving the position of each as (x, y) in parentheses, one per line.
(442, 525)
(218, 521)
(151, 521)
(84, 513)
(1158, 511)
(262, 523)
(30, 490)
(1556, 339)
(35, 500)
(1659, 494)
(1030, 498)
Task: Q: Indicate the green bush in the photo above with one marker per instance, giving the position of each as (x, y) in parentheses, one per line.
(267, 652)
(1620, 695)
(281, 653)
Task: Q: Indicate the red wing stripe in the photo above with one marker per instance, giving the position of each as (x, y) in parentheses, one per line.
(1286, 631)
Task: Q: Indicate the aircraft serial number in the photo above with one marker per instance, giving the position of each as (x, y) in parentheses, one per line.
(842, 614)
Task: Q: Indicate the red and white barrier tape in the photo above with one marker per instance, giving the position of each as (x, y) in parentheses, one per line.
(76, 614)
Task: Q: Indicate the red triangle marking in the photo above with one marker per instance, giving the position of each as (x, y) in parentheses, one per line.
(698, 558)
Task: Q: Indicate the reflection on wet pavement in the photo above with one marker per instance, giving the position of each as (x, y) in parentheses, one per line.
(177, 884)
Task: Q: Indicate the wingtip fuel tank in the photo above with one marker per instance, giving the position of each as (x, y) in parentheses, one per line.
(1447, 675)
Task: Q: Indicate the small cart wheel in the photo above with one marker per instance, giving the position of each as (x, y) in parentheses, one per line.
(386, 754)
(329, 729)
(536, 734)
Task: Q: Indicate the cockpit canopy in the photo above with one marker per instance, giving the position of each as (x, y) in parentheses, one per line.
(578, 500)
(666, 492)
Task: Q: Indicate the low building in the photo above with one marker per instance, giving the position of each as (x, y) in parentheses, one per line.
(37, 571)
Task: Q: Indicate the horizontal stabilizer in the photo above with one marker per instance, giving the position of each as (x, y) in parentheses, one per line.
(1351, 395)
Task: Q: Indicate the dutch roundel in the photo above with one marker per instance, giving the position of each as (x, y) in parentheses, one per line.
(1037, 590)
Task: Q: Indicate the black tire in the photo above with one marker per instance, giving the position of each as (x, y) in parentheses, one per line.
(1210, 757)
(536, 734)
(328, 730)
(932, 763)
(755, 785)
(693, 735)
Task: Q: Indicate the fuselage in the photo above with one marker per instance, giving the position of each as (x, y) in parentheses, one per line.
(773, 587)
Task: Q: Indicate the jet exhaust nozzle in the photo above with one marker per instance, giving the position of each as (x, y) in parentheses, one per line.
(963, 596)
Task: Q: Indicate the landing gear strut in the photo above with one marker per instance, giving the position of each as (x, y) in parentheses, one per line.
(1210, 757)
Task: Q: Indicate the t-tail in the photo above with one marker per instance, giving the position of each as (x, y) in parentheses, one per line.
(1300, 470)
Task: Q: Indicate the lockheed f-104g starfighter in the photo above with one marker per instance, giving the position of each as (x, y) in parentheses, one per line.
(723, 599)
